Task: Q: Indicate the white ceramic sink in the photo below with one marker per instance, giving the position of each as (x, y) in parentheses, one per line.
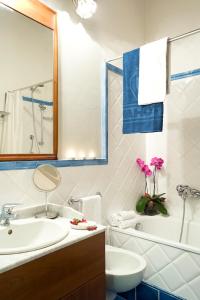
(31, 234)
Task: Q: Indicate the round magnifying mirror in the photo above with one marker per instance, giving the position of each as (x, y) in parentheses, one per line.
(46, 178)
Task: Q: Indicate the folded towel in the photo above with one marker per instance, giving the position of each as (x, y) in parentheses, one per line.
(126, 223)
(126, 214)
(153, 72)
(137, 118)
(116, 218)
(91, 208)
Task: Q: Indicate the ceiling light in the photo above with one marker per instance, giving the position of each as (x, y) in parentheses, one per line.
(85, 8)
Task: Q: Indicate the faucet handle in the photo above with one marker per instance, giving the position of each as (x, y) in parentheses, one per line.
(8, 207)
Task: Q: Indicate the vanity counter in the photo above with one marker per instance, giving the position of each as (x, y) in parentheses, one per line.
(10, 261)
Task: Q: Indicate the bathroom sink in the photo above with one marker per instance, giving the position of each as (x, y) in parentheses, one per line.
(32, 234)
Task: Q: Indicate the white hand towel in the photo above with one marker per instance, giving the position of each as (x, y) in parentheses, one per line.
(91, 208)
(127, 223)
(153, 72)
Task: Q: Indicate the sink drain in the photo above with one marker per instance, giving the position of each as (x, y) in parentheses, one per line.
(10, 231)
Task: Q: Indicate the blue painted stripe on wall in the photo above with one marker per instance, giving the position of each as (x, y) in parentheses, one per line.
(104, 115)
(182, 75)
(177, 76)
(114, 69)
(43, 102)
(19, 165)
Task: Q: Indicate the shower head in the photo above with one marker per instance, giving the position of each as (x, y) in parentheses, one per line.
(34, 88)
(42, 107)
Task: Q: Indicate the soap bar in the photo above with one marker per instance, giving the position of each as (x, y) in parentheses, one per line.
(83, 224)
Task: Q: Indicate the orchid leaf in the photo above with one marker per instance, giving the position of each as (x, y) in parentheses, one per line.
(141, 204)
(161, 208)
(158, 196)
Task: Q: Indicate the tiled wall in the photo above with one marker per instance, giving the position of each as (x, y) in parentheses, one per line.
(119, 182)
(171, 269)
(179, 145)
(183, 143)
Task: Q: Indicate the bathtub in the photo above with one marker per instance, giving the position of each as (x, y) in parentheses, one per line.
(172, 266)
(167, 230)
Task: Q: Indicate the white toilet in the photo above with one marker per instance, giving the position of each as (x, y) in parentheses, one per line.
(124, 269)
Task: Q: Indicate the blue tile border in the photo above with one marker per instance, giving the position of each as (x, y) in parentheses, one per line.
(145, 291)
(182, 75)
(130, 295)
(22, 165)
(168, 296)
(43, 102)
(114, 69)
(178, 76)
(120, 298)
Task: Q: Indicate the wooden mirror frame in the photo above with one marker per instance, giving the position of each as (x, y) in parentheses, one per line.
(44, 15)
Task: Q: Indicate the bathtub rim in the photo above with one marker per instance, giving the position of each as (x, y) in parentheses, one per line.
(154, 238)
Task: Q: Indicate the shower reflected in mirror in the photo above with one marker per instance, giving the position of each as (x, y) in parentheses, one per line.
(27, 120)
(26, 92)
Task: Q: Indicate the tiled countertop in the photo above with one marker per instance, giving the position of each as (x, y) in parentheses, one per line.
(10, 261)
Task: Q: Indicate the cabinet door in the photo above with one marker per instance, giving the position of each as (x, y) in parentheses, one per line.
(56, 274)
(93, 290)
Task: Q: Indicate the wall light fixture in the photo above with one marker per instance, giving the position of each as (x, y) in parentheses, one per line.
(85, 8)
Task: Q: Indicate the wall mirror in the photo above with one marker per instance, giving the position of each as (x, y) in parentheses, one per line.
(33, 93)
(28, 72)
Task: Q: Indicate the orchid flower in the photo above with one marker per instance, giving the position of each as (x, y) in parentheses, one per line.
(157, 162)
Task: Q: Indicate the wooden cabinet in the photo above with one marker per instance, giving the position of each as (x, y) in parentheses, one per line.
(90, 291)
(75, 272)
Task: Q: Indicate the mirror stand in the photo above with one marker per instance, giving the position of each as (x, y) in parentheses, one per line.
(46, 213)
(46, 178)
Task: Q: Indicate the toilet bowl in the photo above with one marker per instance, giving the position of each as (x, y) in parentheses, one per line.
(124, 269)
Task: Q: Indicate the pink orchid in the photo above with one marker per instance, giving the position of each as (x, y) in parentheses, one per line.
(157, 162)
(146, 170)
(140, 163)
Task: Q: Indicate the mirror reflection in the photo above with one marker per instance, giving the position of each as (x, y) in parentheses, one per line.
(82, 117)
(26, 91)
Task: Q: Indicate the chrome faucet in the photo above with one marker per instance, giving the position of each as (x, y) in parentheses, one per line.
(187, 191)
(7, 213)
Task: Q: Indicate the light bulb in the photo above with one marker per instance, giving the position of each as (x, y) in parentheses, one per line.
(86, 8)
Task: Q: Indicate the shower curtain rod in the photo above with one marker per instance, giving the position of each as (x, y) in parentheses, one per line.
(178, 37)
(30, 86)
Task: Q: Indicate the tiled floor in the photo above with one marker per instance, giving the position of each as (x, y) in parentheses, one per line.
(147, 292)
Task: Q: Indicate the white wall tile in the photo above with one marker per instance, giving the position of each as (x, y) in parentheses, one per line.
(172, 269)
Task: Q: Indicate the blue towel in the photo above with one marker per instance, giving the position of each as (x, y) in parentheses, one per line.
(137, 118)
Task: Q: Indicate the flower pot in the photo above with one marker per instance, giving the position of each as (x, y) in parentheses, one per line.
(150, 209)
